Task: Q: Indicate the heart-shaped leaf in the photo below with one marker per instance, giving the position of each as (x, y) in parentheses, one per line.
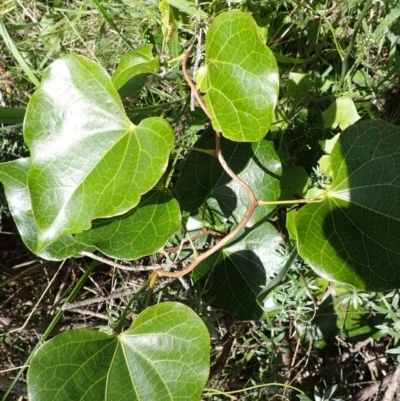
(241, 78)
(88, 160)
(13, 176)
(204, 183)
(142, 231)
(235, 275)
(353, 235)
(164, 356)
(130, 76)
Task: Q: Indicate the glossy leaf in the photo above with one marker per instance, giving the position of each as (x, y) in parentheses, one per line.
(130, 76)
(13, 176)
(353, 235)
(235, 275)
(88, 160)
(164, 356)
(241, 78)
(142, 231)
(204, 184)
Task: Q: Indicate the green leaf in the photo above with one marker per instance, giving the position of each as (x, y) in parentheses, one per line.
(88, 160)
(204, 184)
(188, 8)
(13, 176)
(294, 183)
(130, 76)
(142, 231)
(164, 356)
(342, 112)
(242, 78)
(234, 275)
(353, 235)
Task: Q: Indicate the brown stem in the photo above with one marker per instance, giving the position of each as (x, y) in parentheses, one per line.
(191, 83)
(234, 232)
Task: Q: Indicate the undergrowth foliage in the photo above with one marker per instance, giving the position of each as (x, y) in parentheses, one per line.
(104, 180)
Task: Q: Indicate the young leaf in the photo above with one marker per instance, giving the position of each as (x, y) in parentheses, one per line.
(13, 176)
(142, 231)
(241, 80)
(235, 275)
(130, 76)
(204, 183)
(342, 112)
(353, 235)
(88, 160)
(164, 356)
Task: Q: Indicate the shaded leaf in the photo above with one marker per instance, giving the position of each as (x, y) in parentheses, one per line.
(88, 160)
(234, 276)
(241, 80)
(164, 356)
(204, 184)
(142, 231)
(352, 236)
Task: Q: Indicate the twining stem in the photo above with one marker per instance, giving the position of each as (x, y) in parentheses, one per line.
(191, 83)
(53, 324)
(224, 164)
(234, 232)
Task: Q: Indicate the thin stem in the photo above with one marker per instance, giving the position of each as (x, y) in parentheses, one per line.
(52, 324)
(191, 83)
(234, 232)
(352, 40)
(293, 201)
(120, 325)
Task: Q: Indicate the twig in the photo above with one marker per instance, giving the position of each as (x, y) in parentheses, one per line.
(392, 386)
(122, 267)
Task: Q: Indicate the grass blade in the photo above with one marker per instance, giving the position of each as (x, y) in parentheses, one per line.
(17, 55)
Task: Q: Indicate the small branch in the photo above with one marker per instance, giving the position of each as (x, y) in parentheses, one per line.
(191, 83)
(393, 385)
(119, 266)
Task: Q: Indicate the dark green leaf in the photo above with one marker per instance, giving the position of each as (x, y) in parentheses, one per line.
(203, 182)
(88, 160)
(235, 275)
(142, 231)
(164, 356)
(353, 235)
(241, 78)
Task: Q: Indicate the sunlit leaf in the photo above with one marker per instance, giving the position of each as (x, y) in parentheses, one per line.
(13, 176)
(130, 76)
(88, 160)
(164, 356)
(142, 231)
(241, 78)
(342, 112)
